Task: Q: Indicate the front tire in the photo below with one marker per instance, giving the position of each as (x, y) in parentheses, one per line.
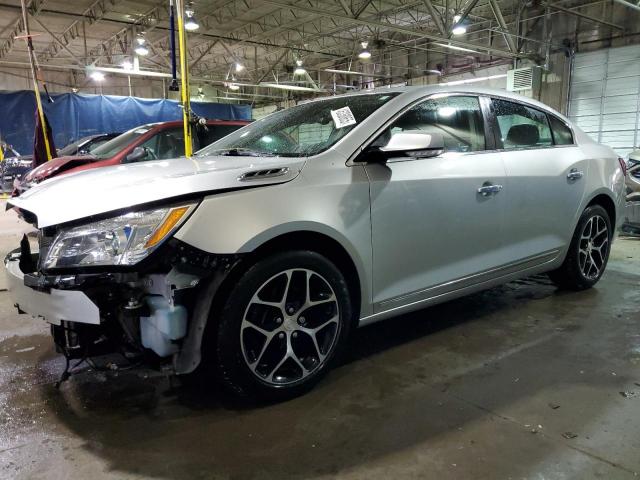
(588, 252)
(283, 326)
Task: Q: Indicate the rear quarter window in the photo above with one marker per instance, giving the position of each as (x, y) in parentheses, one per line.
(561, 132)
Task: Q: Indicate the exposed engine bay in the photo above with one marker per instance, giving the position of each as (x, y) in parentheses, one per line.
(154, 316)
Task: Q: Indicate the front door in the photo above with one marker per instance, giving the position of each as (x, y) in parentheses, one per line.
(432, 230)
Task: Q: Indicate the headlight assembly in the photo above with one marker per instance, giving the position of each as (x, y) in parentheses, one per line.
(123, 240)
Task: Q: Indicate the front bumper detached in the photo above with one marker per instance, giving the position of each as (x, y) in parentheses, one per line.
(133, 313)
(53, 305)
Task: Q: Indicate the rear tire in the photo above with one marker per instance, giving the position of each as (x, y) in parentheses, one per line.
(588, 252)
(283, 326)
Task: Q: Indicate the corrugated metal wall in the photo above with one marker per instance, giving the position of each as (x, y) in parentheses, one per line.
(604, 98)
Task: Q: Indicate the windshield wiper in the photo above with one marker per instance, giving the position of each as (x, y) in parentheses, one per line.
(239, 152)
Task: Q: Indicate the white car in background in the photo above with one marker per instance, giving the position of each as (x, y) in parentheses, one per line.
(258, 256)
(632, 214)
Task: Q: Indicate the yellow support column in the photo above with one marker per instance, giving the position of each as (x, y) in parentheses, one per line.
(184, 80)
(36, 89)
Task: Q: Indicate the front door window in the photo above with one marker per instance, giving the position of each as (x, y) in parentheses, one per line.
(457, 118)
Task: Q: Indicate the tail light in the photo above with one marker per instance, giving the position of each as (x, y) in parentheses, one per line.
(623, 166)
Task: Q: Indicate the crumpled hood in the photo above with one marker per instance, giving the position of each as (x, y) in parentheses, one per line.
(56, 166)
(101, 190)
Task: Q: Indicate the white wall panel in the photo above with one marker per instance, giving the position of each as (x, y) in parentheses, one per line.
(590, 124)
(587, 106)
(598, 57)
(621, 86)
(605, 96)
(591, 89)
(620, 104)
(623, 69)
(619, 121)
(629, 53)
(585, 74)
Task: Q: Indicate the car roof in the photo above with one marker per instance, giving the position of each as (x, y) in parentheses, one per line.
(423, 90)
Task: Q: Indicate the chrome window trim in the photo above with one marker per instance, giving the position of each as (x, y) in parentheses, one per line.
(509, 150)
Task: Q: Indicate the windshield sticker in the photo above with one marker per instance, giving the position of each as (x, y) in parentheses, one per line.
(343, 117)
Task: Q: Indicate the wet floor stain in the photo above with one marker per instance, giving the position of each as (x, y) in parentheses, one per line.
(452, 391)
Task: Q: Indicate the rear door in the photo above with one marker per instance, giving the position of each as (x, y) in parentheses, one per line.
(432, 231)
(546, 174)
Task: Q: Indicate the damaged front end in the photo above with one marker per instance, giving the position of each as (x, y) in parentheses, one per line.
(151, 307)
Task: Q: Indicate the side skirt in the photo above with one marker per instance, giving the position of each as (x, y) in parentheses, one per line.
(466, 285)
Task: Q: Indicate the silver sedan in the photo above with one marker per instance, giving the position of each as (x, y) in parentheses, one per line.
(254, 260)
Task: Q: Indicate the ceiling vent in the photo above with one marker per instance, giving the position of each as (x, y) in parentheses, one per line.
(520, 79)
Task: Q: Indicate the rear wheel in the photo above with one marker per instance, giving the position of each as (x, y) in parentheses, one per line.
(588, 252)
(283, 325)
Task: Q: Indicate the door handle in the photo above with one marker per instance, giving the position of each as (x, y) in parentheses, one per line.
(574, 174)
(489, 189)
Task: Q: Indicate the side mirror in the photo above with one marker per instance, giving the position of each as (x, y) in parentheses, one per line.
(138, 154)
(415, 144)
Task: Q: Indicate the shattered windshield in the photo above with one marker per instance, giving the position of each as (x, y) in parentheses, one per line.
(303, 130)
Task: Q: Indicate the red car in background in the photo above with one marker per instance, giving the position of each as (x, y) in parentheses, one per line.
(154, 141)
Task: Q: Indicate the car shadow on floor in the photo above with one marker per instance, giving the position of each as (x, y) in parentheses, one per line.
(405, 383)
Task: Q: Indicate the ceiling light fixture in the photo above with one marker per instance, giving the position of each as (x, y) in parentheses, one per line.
(299, 70)
(140, 47)
(453, 47)
(191, 23)
(459, 28)
(97, 76)
(126, 65)
(151, 73)
(233, 86)
(353, 72)
(364, 54)
(239, 67)
(284, 86)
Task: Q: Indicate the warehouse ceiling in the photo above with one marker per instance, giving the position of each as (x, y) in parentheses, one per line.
(268, 38)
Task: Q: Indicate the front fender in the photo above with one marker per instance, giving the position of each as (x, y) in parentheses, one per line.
(241, 221)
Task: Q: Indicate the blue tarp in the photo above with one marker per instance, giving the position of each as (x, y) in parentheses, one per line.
(73, 116)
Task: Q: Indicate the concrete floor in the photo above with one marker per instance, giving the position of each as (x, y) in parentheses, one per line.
(521, 381)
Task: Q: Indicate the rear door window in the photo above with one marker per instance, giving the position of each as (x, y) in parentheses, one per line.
(521, 126)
